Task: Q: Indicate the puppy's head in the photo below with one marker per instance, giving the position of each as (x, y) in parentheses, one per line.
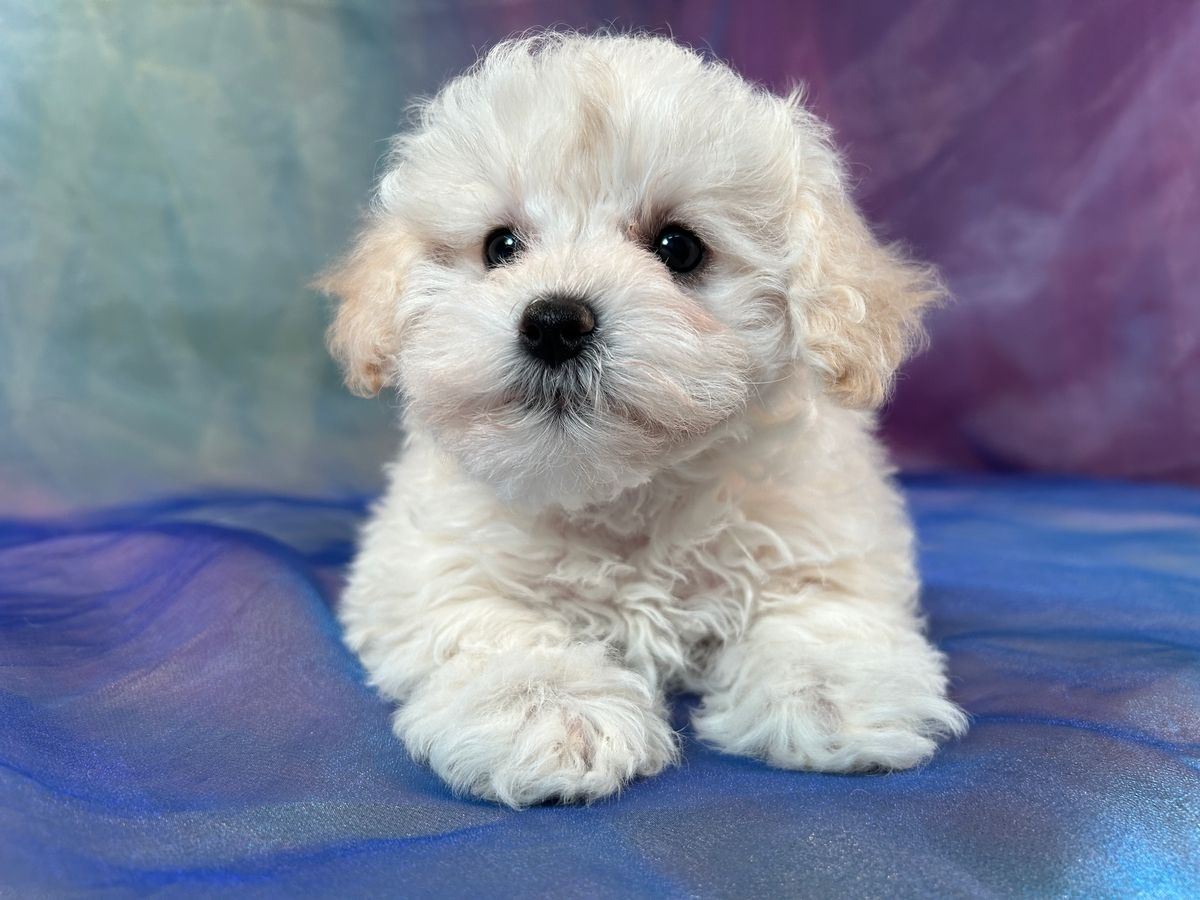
(593, 255)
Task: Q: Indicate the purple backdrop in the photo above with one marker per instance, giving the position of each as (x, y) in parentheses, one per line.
(1046, 155)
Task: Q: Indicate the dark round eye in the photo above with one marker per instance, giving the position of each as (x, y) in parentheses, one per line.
(679, 249)
(500, 247)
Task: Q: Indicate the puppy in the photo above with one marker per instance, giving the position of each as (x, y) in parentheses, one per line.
(639, 329)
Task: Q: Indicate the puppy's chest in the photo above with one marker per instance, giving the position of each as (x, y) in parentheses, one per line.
(690, 587)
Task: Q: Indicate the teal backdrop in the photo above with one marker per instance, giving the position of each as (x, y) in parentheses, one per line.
(173, 175)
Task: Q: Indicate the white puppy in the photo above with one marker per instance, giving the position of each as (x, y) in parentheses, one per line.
(639, 328)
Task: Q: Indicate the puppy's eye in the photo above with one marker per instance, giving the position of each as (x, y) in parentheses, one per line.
(679, 249)
(500, 247)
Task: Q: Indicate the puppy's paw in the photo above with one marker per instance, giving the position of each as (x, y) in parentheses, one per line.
(532, 725)
(847, 707)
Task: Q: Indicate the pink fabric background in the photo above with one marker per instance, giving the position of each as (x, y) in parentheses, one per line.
(1047, 156)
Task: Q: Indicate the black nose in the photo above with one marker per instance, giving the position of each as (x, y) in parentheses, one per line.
(556, 329)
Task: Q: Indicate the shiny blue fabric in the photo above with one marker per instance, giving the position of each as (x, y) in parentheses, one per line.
(179, 719)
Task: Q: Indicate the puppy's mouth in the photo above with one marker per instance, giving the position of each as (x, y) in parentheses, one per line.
(573, 390)
(558, 366)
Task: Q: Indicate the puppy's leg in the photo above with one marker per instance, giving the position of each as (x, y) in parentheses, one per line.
(501, 703)
(831, 683)
(528, 724)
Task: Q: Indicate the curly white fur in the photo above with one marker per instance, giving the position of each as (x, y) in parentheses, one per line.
(699, 504)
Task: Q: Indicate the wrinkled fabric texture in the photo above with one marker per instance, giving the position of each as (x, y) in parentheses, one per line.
(181, 720)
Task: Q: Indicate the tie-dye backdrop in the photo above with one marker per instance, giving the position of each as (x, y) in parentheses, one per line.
(173, 174)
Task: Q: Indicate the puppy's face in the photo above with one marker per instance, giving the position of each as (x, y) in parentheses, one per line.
(594, 254)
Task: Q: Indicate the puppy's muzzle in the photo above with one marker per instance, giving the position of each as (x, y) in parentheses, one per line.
(556, 329)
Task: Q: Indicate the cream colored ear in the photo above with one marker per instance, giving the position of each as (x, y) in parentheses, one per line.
(367, 283)
(857, 304)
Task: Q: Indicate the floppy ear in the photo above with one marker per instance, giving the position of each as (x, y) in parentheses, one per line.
(856, 304)
(367, 283)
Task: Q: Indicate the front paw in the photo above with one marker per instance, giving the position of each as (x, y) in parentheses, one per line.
(846, 707)
(531, 725)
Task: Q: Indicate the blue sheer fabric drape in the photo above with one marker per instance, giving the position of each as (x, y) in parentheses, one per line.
(181, 720)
